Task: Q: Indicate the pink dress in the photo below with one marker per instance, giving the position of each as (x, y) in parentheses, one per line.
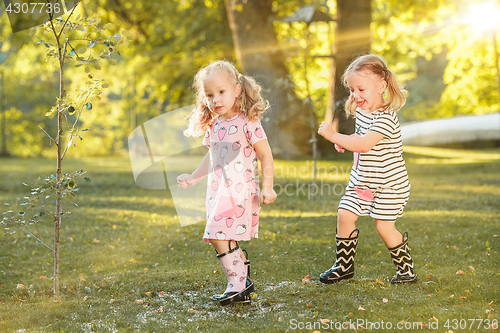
(233, 179)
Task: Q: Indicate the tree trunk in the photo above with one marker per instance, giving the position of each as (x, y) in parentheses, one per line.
(286, 123)
(58, 211)
(352, 39)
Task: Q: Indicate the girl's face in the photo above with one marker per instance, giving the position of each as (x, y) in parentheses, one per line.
(366, 90)
(221, 94)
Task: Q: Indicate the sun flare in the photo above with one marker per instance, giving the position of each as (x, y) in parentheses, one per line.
(485, 17)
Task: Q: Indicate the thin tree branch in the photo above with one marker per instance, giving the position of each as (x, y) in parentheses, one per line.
(47, 134)
(66, 22)
(35, 223)
(66, 117)
(63, 56)
(38, 231)
(38, 239)
(51, 17)
(72, 48)
(74, 124)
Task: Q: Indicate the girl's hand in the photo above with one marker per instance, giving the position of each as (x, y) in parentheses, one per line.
(339, 148)
(186, 180)
(325, 130)
(267, 196)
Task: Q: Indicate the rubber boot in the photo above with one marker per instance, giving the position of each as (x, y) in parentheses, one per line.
(343, 268)
(249, 285)
(402, 260)
(236, 273)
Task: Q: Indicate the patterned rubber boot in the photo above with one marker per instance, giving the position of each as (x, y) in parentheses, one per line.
(236, 273)
(249, 285)
(343, 268)
(401, 258)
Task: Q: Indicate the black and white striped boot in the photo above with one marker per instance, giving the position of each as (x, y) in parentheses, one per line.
(343, 268)
(401, 258)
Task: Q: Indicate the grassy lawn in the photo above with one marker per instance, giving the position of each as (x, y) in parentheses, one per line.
(124, 244)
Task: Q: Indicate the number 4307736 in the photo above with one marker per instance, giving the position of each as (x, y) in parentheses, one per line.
(471, 323)
(33, 7)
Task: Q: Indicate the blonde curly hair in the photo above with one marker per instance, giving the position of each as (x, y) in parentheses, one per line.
(250, 102)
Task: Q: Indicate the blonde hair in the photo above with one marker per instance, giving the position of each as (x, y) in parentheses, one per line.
(374, 64)
(249, 102)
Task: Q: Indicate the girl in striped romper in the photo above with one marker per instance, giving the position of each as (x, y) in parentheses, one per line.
(378, 185)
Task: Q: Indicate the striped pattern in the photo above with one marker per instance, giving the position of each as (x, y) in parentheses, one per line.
(346, 250)
(382, 170)
(402, 260)
(343, 268)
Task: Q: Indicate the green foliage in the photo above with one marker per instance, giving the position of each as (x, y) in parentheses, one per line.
(79, 41)
(173, 39)
(293, 38)
(297, 39)
(30, 87)
(168, 40)
(85, 44)
(39, 204)
(29, 143)
(470, 75)
(407, 31)
(32, 65)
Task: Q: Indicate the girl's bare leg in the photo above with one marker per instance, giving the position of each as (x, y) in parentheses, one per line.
(346, 223)
(388, 233)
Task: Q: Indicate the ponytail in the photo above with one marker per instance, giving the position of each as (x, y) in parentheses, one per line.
(396, 93)
(251, 102)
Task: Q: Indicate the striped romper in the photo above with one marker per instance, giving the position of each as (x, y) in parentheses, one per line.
(378, 184)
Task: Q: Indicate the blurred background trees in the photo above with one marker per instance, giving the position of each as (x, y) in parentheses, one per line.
(435, 48)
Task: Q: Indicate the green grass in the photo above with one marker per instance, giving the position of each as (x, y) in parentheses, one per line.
(123, 244)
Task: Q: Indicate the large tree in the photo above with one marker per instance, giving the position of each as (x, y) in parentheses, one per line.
(352, 38)
(288, 121)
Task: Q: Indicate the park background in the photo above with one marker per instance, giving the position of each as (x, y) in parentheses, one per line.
(127, 264)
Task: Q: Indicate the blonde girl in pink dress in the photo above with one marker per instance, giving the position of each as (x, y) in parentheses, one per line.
(228, 107)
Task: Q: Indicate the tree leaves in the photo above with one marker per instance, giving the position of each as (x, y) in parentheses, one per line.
(48, 45)
(36, 205)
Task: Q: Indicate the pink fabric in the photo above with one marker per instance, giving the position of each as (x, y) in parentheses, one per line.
(366, 194)
(233, 181)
